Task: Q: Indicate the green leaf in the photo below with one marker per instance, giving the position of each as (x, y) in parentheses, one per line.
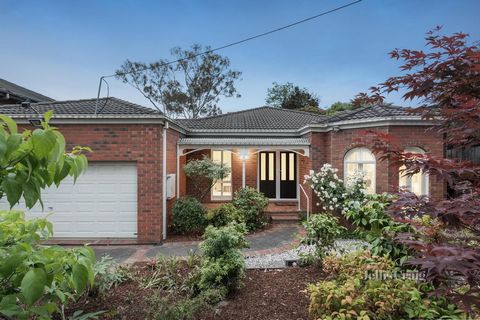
(48, 115)
(13, 142)
(12, 126)
(12, 188)
(30, 194)
(33, 285)
(3, 145)
(9, 265)
(80, 277)
(43, 142)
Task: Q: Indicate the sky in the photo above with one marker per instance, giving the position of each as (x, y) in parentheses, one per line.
(61, 48)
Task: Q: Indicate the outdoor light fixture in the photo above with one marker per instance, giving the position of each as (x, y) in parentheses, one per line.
(243, 154)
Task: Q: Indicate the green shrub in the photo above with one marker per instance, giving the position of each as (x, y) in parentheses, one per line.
(223, 215)
(322, 230)
(350, 294)
(188, 216)
(223, 265)
(36, 280)
(251, 204)
(378, 228)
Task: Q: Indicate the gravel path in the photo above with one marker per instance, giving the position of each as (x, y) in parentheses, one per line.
(278, 260)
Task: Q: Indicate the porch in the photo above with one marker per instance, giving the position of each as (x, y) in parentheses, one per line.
(274, 166)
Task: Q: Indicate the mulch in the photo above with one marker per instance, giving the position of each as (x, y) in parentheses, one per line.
(267, 294)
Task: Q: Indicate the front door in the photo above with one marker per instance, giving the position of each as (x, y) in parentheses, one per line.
(268, 184)
(288, 175)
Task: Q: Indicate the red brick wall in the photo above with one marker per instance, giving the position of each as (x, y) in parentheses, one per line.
(141, 144)
(172, 139)
(331, 147)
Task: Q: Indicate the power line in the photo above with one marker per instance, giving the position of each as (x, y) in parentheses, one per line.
(102, 79)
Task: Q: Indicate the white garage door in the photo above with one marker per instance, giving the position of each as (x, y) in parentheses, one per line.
(102, 203)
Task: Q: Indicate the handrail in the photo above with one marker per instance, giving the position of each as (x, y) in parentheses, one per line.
(308, 201)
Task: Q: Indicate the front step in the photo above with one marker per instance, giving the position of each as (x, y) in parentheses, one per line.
(287, 216)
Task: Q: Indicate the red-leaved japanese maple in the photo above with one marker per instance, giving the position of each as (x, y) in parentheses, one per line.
(445, 80)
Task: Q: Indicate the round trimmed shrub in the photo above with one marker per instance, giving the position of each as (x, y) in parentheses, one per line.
(251, 204)
(223, 215)
(188, 216)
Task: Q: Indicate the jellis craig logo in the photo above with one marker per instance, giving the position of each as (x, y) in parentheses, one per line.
(388, 275)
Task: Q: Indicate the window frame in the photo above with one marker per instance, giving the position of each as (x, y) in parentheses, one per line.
(222, 197)
(362, 161)
(425, 179)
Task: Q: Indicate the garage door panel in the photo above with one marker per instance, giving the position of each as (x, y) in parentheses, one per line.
(102, 203)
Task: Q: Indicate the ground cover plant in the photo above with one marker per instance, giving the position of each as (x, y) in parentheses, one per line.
(354, 290)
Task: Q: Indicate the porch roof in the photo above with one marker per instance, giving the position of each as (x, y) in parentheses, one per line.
(244, 142)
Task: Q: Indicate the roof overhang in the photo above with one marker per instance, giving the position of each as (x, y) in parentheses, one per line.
(253, 143)
(366, 123)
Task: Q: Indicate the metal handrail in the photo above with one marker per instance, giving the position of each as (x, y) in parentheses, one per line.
(308, 201)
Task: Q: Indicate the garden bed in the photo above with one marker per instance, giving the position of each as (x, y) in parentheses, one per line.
(267, 294)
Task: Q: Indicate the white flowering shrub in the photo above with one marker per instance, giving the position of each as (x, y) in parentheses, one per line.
(334, 194)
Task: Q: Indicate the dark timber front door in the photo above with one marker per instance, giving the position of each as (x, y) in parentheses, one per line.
(288, 175)
(268, 183)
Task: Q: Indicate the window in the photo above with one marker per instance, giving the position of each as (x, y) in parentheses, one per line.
(417, 183)
(361, 160)
(222, 189)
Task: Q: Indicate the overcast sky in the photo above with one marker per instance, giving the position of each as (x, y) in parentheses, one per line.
(61, 48)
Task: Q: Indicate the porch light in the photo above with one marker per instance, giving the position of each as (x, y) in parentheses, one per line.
(243, 154)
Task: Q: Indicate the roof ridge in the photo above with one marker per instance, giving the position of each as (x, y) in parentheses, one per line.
(226, 114)
(253, 109)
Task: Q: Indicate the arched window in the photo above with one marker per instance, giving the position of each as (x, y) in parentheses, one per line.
(361, 160)
(417, 183)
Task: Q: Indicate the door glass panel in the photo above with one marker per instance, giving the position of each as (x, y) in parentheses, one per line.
(263, 166)
(271, 166)
(291, 167)
(283, 166)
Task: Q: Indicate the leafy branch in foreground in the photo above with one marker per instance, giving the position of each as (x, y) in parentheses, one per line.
(446, 233)
(36, 281)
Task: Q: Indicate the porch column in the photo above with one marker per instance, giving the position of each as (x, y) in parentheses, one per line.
(243, 155)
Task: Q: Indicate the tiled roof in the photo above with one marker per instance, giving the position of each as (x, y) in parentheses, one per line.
(370, 112)
(247, 141)
(21, 92)
(107, 106)
(263, 118)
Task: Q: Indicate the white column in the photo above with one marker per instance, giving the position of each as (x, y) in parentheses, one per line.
(164, 181)
(243, 173)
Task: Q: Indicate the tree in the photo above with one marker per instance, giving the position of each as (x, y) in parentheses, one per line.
(190, 88)
(203, 174)
(446, 82)
(289, 96)
(338, 106)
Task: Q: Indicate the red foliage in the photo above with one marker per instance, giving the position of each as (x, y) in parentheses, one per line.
(445, 80)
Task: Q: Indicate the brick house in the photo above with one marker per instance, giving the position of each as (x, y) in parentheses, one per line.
(136, 174)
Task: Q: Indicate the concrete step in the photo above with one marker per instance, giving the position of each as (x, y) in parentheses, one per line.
(285, 216)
